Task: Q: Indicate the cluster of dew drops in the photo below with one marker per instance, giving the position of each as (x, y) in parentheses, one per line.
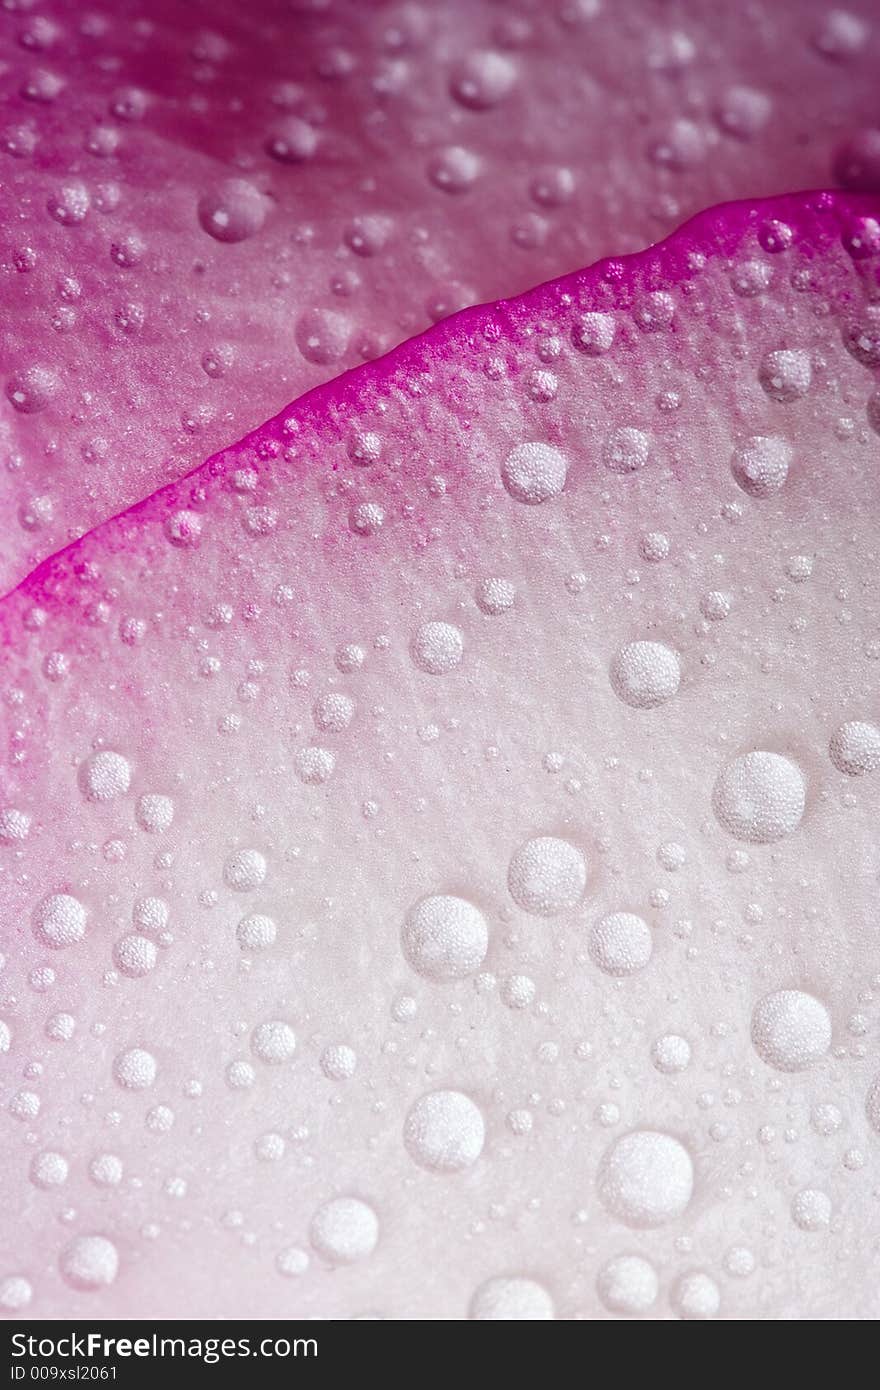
(646, 1177)
(297, 130)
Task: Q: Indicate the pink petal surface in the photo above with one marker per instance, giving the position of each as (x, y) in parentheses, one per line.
(207, 209)
(456, 803)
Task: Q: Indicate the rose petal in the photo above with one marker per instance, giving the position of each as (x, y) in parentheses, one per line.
(514, 856)
(210, 208)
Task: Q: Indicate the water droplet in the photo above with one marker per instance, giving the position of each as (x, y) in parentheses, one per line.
(760, 465)
(482, 79)
(16, 1292)
(292, 140)
(620, 943)
(60, 1027)
(256, 932)
(69, 204)
(790, 1030)
(743, 112)
(533, 473)
(368, 234)
(511, 1298)
(135, 1069)
(811, 1209)
(338, 1062)
(233, 211)
(855, 748)
(60, 920)
(444, 937)
(840, 35)
(862, 340)
(365, 448)
(696, 1296)
(654, 546)
(454, 169)
(366, 519)
(14, 826)
(552, 186)
(183, 528)
(322, 336)
(775, 236)
(444, 1131)
(495, 596)
(273, 1042)
(626, 450)
(32, 389)
(646, 1178)
(89, 1262)
(547, 876)
(437, 648)
(104, 776)
(244, 870)
(292, 1261)
(154, 813)
(49, 1169)
(671, 1054)
(760, 797)
(314, 766)
(105, 1170)
(593, 333)
(786, 374)
(655, 313)
(628, 1284)
(135, 956)
(645, 674)
(344, 1230)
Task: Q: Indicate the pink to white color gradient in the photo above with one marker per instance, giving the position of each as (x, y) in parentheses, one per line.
(438, 831)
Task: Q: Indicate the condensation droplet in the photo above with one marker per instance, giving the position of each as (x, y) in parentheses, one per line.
(444, 1131)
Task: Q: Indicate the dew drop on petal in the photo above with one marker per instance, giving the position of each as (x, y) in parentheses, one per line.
(786, 374)
(760, 465)
(344, 1230)
(534, 473)
(760, 797)
(547, 876)
(233, 211)
(273, 1042)
(791, 1030)
(593, 333)
(88, 1263)
(437, 648)
(645, 674)
(444, 937)
(60, 920)
(626, 450)
(855, 748)
(482, 79)
(620, 943)
(646, 1178)
(135, 1069)
(444, 1131)
(104, 776)
(628, 1284)
(511, 1298)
